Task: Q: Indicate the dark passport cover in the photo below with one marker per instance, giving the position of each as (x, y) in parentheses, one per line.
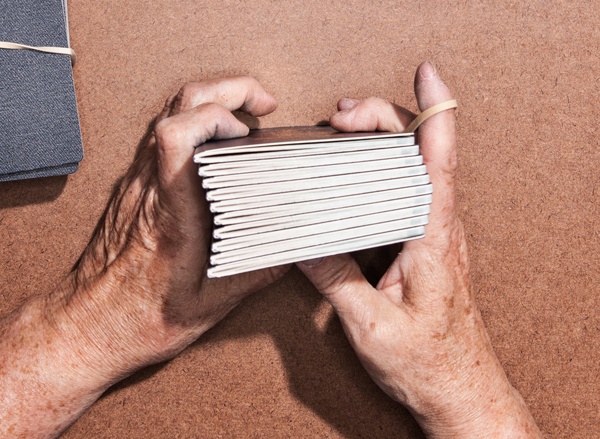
(39, 125)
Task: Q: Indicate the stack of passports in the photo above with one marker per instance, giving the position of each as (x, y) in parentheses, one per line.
(284, 195)
(39, 125)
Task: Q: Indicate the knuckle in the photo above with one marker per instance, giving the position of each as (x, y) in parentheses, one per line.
(452, 162)
(374, 101)
(371, 111)
(167, 133)
(188, 89)
(187, 95)
(212, 110)
(248, 80)
(375, 105)
(368, 106)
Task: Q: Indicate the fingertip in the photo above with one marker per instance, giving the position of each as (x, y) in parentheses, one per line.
(231, 128)
(347, 104)
(437, 141)
(259, 102)
(332, 273)
(271, 104)
(366, 115)
(429, 87)
(427, 70)
(342, 120)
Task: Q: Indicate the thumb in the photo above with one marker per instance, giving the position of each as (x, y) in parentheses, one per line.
(340, 280)
(437, 140)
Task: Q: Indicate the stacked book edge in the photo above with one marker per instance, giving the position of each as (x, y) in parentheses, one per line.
(284, 195)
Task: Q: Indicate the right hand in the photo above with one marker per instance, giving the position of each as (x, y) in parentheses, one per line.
(419, 333)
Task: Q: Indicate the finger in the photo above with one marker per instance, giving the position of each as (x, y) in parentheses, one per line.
(166, 111)
(425, 270)
(420, 259)
(238, 93)
(177, 136)
(347, 104)
(437, 140)
(372, 114)
(340, 280)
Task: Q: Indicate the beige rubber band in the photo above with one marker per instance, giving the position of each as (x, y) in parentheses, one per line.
(412, 127)
(44, 49)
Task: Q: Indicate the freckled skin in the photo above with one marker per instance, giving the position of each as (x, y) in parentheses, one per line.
(434, 355)
(137, 295)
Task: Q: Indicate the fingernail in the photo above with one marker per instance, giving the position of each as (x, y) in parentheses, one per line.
(311, 263)
(427, 71)
(348, 103)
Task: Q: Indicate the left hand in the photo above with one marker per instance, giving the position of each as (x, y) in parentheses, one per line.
(138, 295)
(150, 250)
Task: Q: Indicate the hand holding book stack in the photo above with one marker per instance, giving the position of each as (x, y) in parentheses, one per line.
(284, 195)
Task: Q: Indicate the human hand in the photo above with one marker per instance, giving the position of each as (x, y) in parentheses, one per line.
(138, 294)
(419, 333)
(152, 245)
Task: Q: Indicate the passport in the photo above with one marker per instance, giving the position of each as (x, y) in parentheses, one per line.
(283, 195)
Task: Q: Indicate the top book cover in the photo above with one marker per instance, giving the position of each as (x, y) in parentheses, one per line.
(282, 137)
(39, 123)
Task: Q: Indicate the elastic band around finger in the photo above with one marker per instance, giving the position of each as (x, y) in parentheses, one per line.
(447, 105)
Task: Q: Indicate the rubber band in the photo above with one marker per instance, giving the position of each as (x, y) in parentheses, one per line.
(412, 127)
(44, 49)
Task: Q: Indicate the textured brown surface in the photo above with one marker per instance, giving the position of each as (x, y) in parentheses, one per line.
(526, 77)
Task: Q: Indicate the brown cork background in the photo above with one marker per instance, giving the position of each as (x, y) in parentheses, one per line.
(527, 78)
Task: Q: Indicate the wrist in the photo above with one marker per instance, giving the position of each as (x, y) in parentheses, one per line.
(112, 325)
(59, 352)
(88, 328)
(482, 404)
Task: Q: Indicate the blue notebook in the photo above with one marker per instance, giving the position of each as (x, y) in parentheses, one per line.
(39, 126)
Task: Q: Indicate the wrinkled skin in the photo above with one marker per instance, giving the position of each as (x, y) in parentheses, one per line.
(419, 333)
(157, 226)
(138, 294)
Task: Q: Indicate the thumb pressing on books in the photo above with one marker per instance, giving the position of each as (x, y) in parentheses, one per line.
(419, 333)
